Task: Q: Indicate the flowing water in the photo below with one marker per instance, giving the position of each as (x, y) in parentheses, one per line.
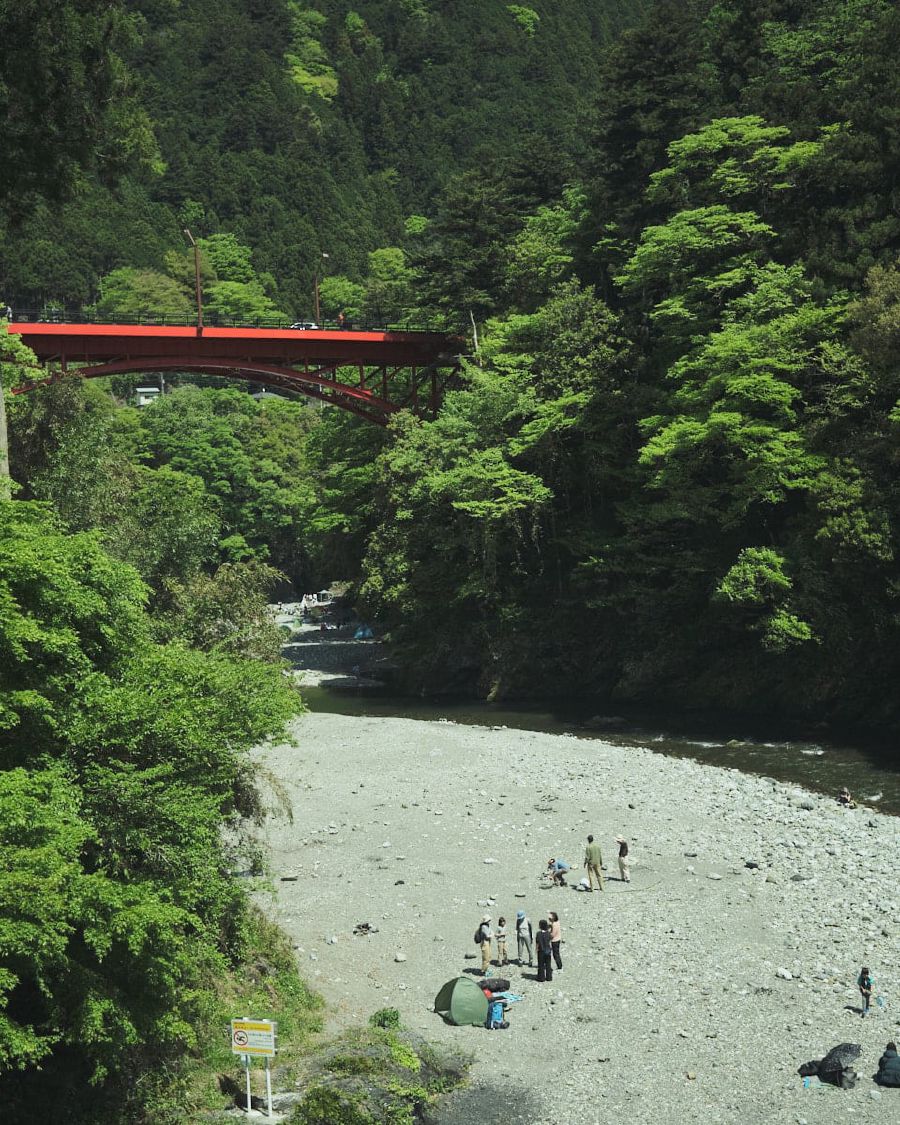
(870, 770)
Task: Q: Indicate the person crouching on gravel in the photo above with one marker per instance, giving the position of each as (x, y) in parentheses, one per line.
(557, 870)
(486, 936)
(524, 936)
(889, 1067)
(544, 952)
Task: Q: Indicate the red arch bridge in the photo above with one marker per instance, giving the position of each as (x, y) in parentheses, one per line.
(371, 373)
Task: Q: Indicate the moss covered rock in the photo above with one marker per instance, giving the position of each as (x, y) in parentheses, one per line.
(377, 1075)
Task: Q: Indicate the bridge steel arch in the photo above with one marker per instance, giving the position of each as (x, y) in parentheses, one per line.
(370, 374)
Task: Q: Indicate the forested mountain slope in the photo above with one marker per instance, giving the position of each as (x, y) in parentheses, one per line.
(679, 243)
(304, 126)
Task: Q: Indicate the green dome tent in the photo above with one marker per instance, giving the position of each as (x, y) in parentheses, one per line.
(461, 1001)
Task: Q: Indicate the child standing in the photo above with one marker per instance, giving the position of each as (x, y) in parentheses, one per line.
(500, 935)
(864, 983)
(544, 951)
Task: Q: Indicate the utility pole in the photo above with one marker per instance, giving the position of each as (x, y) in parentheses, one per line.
(316, 285)
(197, 281)
(5, 479)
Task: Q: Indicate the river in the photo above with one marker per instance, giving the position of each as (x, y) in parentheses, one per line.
(871, 772)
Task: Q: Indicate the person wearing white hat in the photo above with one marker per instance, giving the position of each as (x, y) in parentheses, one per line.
(524, 937)
(487, 936)
(624, 869)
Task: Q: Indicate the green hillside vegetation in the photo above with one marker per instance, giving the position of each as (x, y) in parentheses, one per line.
(668, 472)
(678, 243)
(306, 127)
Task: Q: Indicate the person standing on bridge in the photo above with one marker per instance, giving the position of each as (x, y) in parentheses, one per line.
(341, 319)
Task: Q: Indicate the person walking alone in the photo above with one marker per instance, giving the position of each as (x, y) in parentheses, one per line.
(524, 937)
(486, 936)
(555, 938)
(593, 861)
(544, 950)
(624, 867)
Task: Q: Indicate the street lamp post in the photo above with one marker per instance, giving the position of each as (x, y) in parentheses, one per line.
(316, 284)
(197, 281)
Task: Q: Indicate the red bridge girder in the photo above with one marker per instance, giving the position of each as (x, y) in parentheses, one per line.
(372, 374)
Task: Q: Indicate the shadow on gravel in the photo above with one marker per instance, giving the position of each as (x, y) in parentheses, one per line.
(487, 1105)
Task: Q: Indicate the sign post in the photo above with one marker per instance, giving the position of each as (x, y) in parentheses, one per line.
(255, 1039)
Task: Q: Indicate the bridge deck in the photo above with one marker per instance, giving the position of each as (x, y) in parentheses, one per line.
(98, 343)
(371, 373)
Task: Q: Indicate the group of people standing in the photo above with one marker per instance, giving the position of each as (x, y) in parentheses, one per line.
(549, 933)
(548, 941)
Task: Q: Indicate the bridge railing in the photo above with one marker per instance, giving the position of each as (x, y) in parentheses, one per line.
(58, 314)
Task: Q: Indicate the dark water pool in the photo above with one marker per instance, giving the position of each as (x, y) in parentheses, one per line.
(871, 770)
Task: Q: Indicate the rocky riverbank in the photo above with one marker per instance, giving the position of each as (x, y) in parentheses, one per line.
(691, 994)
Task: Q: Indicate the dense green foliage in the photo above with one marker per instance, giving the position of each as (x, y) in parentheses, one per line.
(296, 127)
(670, 474)
(122, 758)
(668, 470)
(676, 444)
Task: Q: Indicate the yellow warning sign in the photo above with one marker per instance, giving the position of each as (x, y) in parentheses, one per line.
(253, 1037)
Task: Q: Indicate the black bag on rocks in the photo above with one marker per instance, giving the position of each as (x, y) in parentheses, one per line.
(494, 984)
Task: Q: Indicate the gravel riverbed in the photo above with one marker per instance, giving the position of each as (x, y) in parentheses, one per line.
(691, 994)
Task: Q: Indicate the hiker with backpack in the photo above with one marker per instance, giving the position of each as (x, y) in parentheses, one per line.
(524, 937)
(484, 936)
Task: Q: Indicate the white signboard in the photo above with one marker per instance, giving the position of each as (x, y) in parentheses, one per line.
(254, 1038)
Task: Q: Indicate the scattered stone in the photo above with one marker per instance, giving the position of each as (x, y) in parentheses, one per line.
(784, 974)
(399, 957)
